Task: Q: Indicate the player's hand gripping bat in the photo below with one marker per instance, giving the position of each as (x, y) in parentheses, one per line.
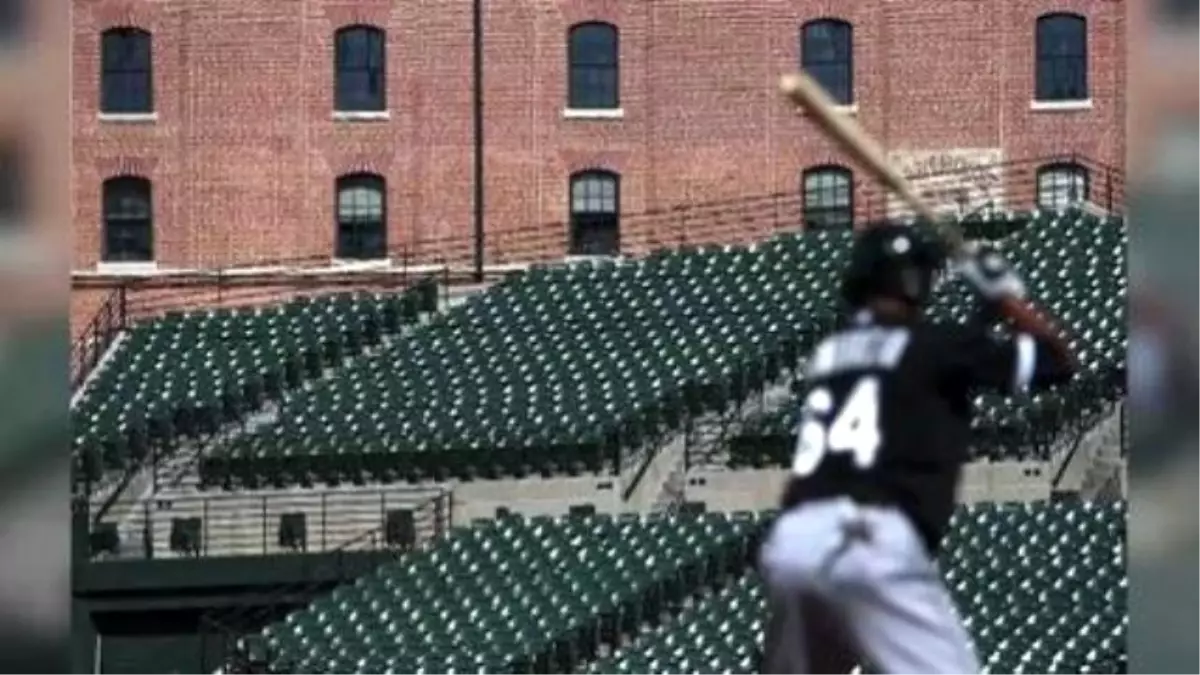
(804, 92)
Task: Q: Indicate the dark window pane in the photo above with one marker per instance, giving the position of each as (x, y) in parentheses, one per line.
(595, 234)
(826, 53)
(1061, 58)
(129, 241)
(593, 88)
(595, 213)
(835, 78)
(828, 198)
(128, 220)
(361, 218)
(594, 193)
(1062, 185)
(126, 72)
(127, 92)
(593, 79)
(352, 49)
(593, 44)
(360, 75)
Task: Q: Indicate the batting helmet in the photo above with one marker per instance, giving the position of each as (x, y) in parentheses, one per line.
(892, 261)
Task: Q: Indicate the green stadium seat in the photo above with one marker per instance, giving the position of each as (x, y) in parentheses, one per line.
(1075, 266)
(188, 374)
(515, 591)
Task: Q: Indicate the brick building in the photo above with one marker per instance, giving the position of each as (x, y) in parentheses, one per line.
(218, 132)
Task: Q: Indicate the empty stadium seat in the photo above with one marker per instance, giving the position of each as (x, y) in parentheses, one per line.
(1041, 588)
(514, 593)
(186, 374)
(1074, 263)
(557, 370)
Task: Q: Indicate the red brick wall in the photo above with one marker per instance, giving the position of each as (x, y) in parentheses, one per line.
(244, 151)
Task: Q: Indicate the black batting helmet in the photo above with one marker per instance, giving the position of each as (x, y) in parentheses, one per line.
(892, 261)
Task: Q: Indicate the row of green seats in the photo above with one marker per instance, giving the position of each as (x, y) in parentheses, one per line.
(556, 370)
(514, 595)
(187, 373)
(1075, 266)
(560, 370)
(1041, 587)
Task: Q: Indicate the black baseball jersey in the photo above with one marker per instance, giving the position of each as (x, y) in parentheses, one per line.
(886, 412)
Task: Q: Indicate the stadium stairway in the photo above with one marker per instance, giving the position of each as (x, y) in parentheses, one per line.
(113, 347)
(245, 522)
(1075, 465)
(129, 498)
(650, 480)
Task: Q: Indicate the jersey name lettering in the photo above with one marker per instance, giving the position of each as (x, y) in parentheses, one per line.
(861, 349)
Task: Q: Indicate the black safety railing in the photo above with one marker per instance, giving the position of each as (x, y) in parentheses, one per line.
(196, 525)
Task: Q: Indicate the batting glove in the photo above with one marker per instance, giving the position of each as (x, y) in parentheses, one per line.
(990, 274)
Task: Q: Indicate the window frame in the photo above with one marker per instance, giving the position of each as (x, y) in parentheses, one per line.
(347, 99)
(1071, 170)
(125, 226)
(589, 218)
(348, 234)
(822, 69)
(819, 216)
(607, 68)
(132, 69)
(1049, 66)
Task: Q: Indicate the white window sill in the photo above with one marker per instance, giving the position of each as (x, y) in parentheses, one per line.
(131, 268)
(583, 259)
(361, 115)
(359, 263)
(129, 118)
(851, 109)
(1060, 106)
(593, 114)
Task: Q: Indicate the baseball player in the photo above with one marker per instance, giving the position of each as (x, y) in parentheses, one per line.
(883, 432)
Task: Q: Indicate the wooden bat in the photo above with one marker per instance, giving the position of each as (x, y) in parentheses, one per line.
(804, 92)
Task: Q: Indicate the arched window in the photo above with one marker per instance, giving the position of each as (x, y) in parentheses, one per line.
(827, 55)
(1062, 185)
(828, 197)
(593, 82)
(1062, 58)
(126, 72)
(359, 70)
(361, 217)
(595, 213)
(128, 220)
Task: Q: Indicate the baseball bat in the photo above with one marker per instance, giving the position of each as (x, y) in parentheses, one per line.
(807, 94)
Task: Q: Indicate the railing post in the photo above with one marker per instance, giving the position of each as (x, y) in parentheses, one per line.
(264, 524)
(1108, 189)
(147, 531)
(324, 506)
(205, 530)
(122, 304)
